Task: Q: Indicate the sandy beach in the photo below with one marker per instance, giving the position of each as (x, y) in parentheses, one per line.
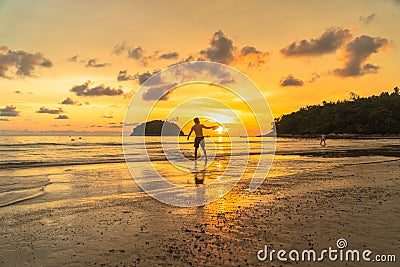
(312, 210)
(199, 133)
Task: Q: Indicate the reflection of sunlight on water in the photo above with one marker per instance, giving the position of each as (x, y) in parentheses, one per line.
(221, 193)
(218, 165)
(226, 204)
(219, 147)
(219, 213)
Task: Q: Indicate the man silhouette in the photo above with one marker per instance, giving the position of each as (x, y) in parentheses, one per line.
(199, 139)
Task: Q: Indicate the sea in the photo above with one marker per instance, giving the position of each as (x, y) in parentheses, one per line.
(42, 170)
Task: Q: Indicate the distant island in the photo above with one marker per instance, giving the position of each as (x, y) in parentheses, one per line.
(374, 115)
(153, 128)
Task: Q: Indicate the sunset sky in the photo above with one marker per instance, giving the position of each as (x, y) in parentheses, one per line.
(73, 66)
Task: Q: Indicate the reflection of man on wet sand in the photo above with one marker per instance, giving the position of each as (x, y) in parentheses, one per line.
(199, 179)
(199, 139)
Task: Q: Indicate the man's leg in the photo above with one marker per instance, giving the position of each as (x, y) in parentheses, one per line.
(203, 147)
(195, 153)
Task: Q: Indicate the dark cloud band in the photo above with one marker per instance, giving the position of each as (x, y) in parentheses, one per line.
(291, 81)
(9, 111)
(69, 101)
(50, 111)
(100, 90)
(62, 117)
(24, 62)
(92, 63)
(328, 42)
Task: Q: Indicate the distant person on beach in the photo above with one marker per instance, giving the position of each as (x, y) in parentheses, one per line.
(199, 139)
(323, 140)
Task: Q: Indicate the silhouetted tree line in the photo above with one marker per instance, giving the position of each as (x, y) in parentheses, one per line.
(359, 115)
(154, 128)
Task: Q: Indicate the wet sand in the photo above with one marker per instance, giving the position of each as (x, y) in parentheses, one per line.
(312, 210)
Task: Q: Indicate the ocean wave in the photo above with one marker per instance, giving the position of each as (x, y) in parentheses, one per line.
(38, 164)
(8, 146)
(61, 144)
(15, 196)
(109, 158)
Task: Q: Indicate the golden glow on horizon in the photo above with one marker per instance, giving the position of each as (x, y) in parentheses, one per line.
(214, 105)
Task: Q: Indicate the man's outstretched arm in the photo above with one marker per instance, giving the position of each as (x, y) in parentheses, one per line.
(210, 127)
(191, 130)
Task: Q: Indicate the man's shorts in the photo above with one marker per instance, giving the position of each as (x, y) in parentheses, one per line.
(197, 141)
